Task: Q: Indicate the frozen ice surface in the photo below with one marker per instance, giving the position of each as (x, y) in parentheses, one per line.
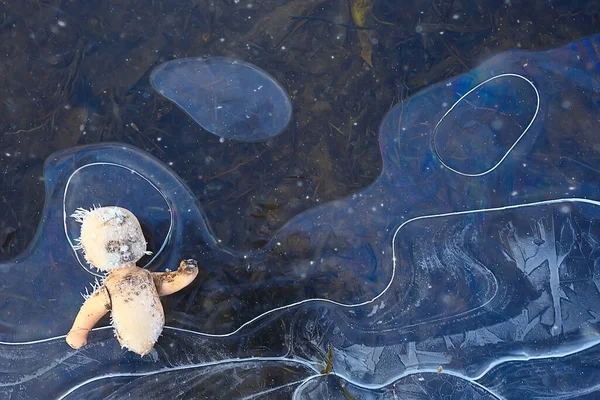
(469, 269)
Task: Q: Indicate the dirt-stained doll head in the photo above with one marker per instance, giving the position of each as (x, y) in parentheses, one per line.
(111, 237)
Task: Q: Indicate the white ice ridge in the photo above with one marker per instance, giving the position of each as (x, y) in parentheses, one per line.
(537, 109)
(523, 356)
(394, 266)
(195, 366)
(394, 260)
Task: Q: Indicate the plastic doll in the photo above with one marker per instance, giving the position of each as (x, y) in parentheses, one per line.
(112, 241)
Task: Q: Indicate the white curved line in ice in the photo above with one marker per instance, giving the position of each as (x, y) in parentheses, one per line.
(571, 349)
(183, 368)
(395, 379)
(537, 109)
(394, 260)
(523, 356)
(394, 266)
(378, 386)
(65, 216)
(472, 379)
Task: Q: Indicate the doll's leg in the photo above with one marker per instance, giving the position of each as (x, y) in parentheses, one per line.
(94, 308)
(171, 282)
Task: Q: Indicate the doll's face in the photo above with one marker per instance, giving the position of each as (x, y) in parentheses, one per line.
(111, 237)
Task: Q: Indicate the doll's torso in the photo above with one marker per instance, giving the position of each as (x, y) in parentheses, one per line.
(137, 314)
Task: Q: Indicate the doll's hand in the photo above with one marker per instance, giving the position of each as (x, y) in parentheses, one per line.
(188, 266)
(171, 282)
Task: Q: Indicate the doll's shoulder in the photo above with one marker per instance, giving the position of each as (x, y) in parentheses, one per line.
(128, 279)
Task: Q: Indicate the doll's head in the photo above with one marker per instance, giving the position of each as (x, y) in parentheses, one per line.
(111, 237)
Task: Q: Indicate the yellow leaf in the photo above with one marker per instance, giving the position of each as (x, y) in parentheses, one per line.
(366, 49)
(329, 365)
(360, 11)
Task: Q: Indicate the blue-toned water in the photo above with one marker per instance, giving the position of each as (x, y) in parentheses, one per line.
(468, 268)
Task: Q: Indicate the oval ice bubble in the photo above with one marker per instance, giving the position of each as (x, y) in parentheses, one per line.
(109, 184)
(483, 126)
(230, 98)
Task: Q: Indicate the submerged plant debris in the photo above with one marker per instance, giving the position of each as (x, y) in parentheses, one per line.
(77, 72)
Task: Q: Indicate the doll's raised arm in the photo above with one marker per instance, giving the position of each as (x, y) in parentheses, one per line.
(94, 308)
(171, 282)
